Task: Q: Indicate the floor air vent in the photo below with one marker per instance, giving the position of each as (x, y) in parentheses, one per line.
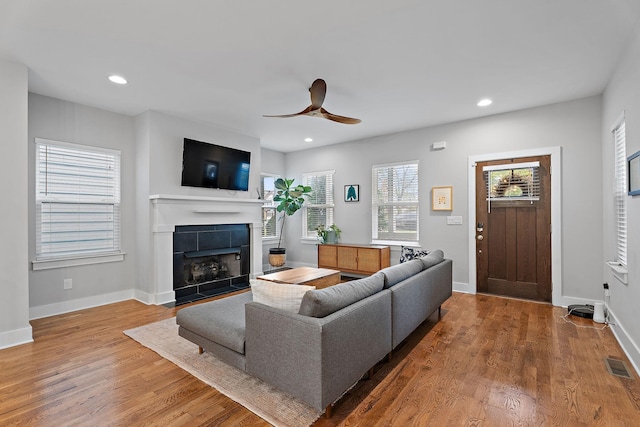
(617, 368)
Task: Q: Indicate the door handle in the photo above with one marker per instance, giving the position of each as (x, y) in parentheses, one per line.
(480, 237)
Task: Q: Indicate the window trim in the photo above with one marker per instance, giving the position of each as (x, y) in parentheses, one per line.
(375, 205)
(269, 205)
(308, 204)
(77, 259)
(620, 193)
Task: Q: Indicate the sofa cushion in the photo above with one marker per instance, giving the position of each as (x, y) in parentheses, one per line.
(399, 272)
(407, 253)
(435, 257)
(221, 321)
(323, 302)
(279, 295)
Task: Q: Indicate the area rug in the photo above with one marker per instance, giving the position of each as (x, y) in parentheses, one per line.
(265, 401)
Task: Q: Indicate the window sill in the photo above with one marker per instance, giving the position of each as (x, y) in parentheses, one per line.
(309, 241)
(269, 240)
(619, 271)
(46, 264)
(395, 243)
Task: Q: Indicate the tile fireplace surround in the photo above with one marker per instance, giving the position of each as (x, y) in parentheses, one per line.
(169, 211)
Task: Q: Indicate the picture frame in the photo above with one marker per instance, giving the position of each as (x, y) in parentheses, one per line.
(633, 174)
(442, 198)
(352, 193)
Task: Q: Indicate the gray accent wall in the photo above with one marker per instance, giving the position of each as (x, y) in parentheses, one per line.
(14, 279)
(574, 126)
(623, 95)
(94, 284)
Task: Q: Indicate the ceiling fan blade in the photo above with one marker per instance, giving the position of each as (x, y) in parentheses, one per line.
(339, 119)
(318, 90)
(301, 113)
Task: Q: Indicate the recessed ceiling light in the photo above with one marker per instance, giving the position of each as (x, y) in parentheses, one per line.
(484, 102)
(118, 79)
(307, 139)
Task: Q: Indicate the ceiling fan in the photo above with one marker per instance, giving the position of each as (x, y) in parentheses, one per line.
(318, 90)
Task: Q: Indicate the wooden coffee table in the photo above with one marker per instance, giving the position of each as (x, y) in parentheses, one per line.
(318, 277)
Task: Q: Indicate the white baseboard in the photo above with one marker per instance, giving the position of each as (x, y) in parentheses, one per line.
(629, 347)
(154, 299)
(79, 304)
(16, 337)
(463, 287)
(567, 301)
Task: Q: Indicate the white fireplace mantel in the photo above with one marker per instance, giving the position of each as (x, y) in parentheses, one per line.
(169, 211)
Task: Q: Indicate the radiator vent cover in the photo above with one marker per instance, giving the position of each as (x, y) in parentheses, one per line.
(618, 368)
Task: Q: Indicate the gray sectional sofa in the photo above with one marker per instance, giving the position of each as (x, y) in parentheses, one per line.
(339, 333)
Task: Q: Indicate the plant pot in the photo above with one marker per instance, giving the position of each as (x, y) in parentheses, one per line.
(332, 237)
(277, 257)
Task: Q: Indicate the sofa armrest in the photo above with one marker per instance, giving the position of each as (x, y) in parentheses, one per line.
(415, 298)
(317, 359)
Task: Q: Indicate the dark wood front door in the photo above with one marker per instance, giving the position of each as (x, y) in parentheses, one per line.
(513, 236)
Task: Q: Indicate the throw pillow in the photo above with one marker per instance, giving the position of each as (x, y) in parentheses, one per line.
(407, 253)
(323, 302)
(279, 295)
(435, 257)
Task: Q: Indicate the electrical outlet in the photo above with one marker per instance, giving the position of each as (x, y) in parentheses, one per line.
(68, 283)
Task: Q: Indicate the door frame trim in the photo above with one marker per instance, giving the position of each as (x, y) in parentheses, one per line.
(556, 213)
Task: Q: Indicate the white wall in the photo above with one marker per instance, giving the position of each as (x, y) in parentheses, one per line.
(159, 144)
(166, 136)
(574, 126)
(623, 94)
(98, 283)
(14, 280)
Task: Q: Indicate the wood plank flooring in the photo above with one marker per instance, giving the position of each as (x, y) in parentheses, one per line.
(489, 361)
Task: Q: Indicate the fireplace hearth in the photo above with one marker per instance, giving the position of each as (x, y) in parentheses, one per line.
(210, 260)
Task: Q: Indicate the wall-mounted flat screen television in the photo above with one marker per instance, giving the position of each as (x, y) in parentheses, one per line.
(214, 166)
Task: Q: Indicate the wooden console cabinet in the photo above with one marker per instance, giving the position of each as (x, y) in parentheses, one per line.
(358, 259)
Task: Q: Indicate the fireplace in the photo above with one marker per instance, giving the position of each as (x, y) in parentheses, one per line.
(210, 260)
(169, 236)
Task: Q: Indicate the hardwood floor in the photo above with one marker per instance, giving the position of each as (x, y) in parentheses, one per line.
(489, 361)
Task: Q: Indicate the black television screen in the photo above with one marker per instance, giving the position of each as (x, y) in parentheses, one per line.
(214, 166)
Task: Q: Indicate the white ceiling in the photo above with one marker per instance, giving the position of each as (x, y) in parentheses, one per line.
(395, 64)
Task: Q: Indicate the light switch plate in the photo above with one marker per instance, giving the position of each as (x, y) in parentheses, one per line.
(454, 220)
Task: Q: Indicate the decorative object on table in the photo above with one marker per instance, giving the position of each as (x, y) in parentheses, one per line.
(633, 172)
(352, 193)
(290, 200)
(442, 198)
(328, 235)
(407, 253)
(317, 91)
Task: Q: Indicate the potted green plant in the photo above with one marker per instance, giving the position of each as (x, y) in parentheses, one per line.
(290, 200)
(330, 235)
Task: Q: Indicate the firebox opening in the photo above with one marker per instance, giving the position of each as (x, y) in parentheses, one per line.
(210, 260)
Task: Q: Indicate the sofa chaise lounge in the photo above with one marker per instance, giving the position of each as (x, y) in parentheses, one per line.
(338, 334)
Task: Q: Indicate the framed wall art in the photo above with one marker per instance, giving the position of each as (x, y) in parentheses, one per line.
(352, 193)
(442, 198)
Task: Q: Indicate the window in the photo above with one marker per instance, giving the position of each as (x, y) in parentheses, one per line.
(77, 200)
(269, 213)
(512, 181)
(318, 210)
(394, 202)
(620, 192)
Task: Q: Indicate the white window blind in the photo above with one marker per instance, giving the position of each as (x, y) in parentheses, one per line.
(269, 213)
(77, 200)
(395, 202)
(318, 210)
(512, 181)
(620, 192)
